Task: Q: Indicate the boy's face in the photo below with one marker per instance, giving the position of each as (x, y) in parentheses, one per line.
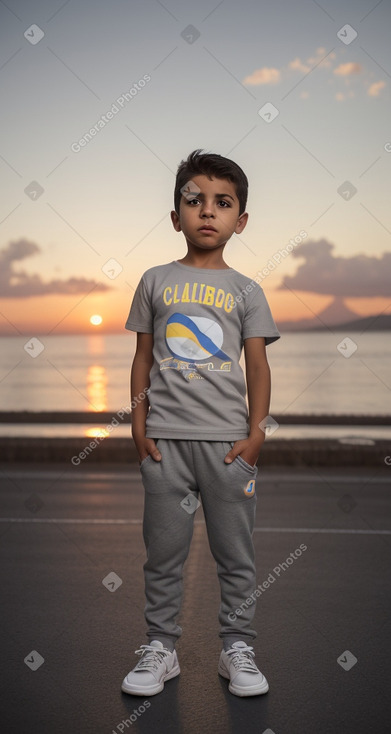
(214, 204)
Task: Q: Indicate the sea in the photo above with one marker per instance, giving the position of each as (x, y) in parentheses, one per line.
(313, 373)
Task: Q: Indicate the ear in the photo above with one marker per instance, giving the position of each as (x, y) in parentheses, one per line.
(175, 221)
(241, 223)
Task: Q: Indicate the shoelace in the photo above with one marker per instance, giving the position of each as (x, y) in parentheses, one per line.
(151, 657)
(242, 659)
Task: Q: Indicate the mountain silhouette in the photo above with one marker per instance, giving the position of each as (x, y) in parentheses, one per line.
(337, 316)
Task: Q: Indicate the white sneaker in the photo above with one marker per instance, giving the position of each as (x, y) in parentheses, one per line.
(157, 665)
(238, 666)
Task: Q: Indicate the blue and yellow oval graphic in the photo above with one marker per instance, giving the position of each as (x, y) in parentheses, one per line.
(193, 338)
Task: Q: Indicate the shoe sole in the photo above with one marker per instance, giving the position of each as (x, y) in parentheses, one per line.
(152, 690)
(242, 692)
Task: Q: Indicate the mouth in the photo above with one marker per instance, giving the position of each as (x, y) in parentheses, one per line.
(206, 228)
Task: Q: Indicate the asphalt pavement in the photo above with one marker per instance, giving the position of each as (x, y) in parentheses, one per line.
(73, 596)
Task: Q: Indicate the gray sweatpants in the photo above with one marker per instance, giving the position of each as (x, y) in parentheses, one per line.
(187, 470)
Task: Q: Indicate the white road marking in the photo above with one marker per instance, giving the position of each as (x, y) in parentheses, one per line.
(98, 521)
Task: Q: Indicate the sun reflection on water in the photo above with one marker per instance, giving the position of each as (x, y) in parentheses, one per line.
(97, 397)
(96, 432)
(96, 388)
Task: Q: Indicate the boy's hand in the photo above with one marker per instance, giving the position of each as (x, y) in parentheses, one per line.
(248, 448)
(147, 446)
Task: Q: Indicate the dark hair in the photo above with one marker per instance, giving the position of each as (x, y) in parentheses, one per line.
(211, 165)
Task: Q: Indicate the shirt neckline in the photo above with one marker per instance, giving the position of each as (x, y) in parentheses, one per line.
(202, 270)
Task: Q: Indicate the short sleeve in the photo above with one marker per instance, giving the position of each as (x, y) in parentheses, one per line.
(258, 319)
(140, 315)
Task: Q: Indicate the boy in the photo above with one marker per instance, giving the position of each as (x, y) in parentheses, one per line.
(192, 317)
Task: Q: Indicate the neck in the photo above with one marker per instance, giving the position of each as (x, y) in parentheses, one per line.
(212, 260)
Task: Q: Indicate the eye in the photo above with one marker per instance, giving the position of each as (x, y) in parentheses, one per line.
(223, 201)
(190, 201)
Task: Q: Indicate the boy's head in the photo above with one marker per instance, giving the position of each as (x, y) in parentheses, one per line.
(211, 165)
(210, 199)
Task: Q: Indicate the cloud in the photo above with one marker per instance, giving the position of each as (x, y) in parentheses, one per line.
(320, 53)
(345, 72)
(351, 67)
(375, 88)
(266, 75)
(297, 65)
(270, 75)
(18, 284)
(359, 276)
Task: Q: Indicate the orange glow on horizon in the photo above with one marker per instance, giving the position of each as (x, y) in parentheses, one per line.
(59, 315)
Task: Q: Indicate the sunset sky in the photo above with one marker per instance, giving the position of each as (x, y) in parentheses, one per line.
(81, 221)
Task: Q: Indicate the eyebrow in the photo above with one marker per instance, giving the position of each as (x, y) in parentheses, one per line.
(217, 196)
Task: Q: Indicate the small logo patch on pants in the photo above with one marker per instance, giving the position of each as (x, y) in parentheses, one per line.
(250, 488)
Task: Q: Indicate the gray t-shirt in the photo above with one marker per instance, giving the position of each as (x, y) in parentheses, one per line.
(199, 319)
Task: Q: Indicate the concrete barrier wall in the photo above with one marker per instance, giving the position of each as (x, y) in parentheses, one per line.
(279, 453)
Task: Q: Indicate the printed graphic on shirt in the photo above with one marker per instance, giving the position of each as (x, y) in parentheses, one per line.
(195, 343)
(208, 295)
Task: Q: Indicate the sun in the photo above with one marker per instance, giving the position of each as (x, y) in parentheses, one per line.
(96, 319)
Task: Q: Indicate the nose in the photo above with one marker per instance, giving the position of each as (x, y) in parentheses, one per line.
(207, 210)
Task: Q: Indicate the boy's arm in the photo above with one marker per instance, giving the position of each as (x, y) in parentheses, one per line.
(258, 385)
(258, 391)
(139, 382)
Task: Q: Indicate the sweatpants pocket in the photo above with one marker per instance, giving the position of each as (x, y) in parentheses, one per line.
(248, 467)
(243, 463)
(144, 461)
(235, 481)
